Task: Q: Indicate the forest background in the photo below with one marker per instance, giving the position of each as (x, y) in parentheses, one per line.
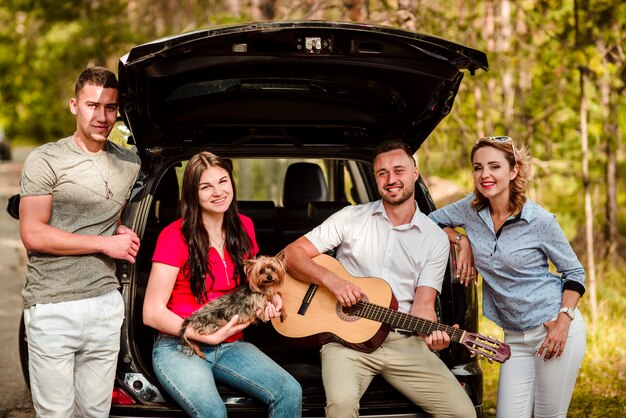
(556, 84)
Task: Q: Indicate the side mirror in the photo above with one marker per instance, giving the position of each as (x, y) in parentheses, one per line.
(13, 207)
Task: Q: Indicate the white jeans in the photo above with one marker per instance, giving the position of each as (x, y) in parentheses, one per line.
(73, 348)
(527, 383)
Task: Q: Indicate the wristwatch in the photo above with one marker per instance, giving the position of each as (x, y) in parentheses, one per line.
(569, 312)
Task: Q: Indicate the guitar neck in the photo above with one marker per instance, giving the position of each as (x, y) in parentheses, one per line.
(404, 321)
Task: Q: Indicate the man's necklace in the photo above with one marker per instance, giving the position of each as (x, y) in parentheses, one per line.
(108, 193)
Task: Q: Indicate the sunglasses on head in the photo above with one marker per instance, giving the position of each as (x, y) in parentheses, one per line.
(500, 139)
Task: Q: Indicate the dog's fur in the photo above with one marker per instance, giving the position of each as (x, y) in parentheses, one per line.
(265, 278)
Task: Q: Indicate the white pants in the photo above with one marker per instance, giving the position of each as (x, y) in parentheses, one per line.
(528, 383)
(73, 348)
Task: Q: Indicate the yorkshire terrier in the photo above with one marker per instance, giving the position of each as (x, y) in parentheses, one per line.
(265, 278)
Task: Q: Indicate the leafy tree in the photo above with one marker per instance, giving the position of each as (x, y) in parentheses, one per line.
(531, 91)
(43, 46)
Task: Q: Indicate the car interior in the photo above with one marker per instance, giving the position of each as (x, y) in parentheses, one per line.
(304, 203)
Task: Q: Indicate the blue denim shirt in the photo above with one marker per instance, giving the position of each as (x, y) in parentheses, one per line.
(519, 292)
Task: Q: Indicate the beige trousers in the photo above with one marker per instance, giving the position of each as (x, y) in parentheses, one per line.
(403, 361)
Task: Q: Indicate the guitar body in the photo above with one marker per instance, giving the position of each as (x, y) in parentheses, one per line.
(324, 321)
(314, 315)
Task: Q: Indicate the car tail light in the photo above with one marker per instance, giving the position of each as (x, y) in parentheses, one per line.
(122, 398)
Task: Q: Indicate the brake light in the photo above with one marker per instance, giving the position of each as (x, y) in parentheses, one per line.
(119, 397)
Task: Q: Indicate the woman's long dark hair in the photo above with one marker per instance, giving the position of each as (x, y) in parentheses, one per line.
(238, 242)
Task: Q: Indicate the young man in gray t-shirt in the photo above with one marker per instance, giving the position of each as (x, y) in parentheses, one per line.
(72, 195)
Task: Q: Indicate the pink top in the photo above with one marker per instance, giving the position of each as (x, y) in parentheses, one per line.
(171, 249)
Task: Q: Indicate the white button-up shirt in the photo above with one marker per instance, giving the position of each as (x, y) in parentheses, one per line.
(368, 245)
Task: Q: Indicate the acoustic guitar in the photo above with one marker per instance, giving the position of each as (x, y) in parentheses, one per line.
(312, 313)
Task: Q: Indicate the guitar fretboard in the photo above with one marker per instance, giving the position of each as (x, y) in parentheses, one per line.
(402, 320)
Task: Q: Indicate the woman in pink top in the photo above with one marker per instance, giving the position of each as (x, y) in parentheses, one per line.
(197, 259)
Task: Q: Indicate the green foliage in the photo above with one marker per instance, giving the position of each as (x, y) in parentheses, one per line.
(43, 48)
(259, 180)
(536, 49)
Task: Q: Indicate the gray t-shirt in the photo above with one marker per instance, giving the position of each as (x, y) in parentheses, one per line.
(79, 205)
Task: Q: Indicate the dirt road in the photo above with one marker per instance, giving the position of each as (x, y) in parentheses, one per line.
(15, 399)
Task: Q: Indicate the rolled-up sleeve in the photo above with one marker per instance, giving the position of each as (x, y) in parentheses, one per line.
(560, 252)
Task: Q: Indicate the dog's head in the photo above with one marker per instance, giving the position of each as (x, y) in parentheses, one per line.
(265, 274)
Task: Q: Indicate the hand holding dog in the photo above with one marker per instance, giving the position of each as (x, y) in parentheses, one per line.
(221, 334)
(247, 304)
(272, 309)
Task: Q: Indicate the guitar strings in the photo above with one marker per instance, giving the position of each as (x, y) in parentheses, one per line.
(405, 321)
(481, 346)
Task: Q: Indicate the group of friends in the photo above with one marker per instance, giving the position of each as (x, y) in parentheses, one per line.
(73, 309)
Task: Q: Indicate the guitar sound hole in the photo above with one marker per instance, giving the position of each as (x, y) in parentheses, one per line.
(350, 314)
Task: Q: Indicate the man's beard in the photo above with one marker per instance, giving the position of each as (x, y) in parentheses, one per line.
(406, 195)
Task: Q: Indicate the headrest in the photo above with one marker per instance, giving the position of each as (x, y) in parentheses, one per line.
(262, 212)
(319, 211)
(304, 183)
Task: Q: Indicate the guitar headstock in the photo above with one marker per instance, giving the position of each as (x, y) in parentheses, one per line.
(487, 347)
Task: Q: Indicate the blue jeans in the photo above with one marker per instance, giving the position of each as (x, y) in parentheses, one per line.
(191, 381)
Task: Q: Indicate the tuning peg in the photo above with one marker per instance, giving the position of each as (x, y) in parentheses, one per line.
(490, 361)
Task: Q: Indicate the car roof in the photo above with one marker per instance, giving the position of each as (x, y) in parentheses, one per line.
(291, 84)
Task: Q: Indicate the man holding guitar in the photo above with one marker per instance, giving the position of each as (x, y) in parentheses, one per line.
(388, 238)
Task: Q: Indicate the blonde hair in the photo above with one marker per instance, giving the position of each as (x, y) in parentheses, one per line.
(514, 156)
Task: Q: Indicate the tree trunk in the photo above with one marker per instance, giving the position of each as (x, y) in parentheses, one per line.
(508, 89)
(489, 29)
(584, 137)
(609, 130)
(356, 10)
(233, 7)
(609, 107)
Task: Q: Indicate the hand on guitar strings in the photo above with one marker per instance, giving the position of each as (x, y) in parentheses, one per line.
(346, 292)
(438, 340)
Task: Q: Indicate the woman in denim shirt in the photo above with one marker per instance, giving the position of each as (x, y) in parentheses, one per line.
(511, 239)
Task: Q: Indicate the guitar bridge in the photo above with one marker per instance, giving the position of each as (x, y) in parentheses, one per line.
(308, 297)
